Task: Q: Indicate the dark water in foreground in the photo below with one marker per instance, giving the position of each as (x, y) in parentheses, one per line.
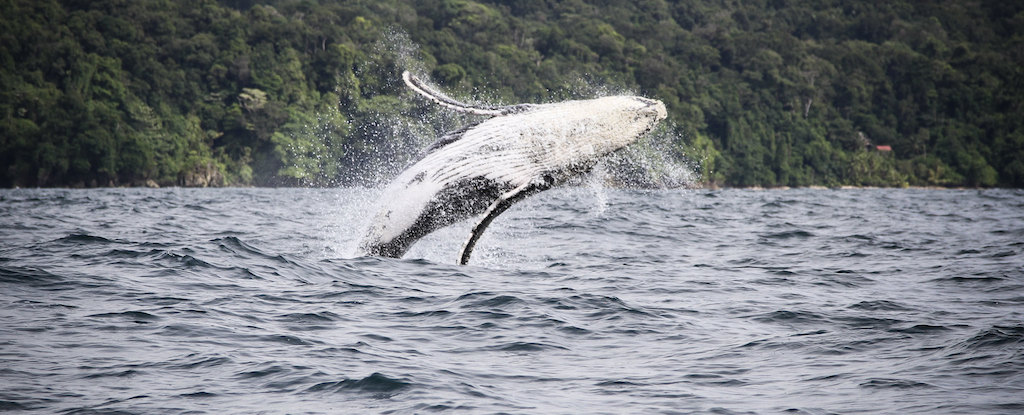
(137, 301)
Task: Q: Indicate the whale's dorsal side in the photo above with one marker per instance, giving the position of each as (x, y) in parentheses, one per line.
(443, 100)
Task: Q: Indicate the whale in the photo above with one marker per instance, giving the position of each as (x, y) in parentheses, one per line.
(513, 152)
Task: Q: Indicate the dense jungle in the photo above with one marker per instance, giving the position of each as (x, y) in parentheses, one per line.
(278, 92)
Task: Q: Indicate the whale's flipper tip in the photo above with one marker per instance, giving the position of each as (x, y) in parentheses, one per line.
(414, 82)
(429, 92)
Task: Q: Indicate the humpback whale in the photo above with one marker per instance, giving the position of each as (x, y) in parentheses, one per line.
(486, 167)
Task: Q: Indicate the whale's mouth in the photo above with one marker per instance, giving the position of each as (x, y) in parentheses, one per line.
(650, 113)
(653, 107)
(646, 101)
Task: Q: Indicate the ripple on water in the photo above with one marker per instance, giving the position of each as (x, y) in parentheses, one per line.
(725, 301)
(377, 384)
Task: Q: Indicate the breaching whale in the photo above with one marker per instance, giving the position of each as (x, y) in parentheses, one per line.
(487, 167)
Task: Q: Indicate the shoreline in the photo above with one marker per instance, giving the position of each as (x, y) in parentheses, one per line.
(846, 187)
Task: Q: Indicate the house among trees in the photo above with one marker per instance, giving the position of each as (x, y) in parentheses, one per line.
(866, 142)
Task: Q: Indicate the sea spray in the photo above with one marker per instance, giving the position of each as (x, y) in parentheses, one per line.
(387, 131)
(390, 128)
(656, 161)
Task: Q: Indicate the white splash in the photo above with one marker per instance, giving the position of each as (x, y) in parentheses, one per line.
(393, 133)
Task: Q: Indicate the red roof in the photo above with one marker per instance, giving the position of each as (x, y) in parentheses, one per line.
(883, 148)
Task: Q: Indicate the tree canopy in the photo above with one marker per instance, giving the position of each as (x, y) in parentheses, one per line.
(283, 92)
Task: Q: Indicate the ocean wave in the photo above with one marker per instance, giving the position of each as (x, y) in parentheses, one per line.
(731, 301)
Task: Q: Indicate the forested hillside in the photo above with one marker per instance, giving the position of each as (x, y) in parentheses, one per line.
(770, 93)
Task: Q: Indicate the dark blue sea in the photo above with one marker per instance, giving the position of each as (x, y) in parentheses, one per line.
(578, 300)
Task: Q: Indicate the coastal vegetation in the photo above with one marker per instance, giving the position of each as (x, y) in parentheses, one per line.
(278, 92)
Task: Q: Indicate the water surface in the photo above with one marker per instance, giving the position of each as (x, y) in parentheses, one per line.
(149, 301)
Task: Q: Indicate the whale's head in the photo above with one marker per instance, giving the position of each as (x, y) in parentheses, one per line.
(646, 113)
(614, 122)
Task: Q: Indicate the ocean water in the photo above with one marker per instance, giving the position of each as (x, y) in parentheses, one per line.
(578, 300)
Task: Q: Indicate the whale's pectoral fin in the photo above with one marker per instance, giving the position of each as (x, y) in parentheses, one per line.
(441, 99)
(496, 208)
